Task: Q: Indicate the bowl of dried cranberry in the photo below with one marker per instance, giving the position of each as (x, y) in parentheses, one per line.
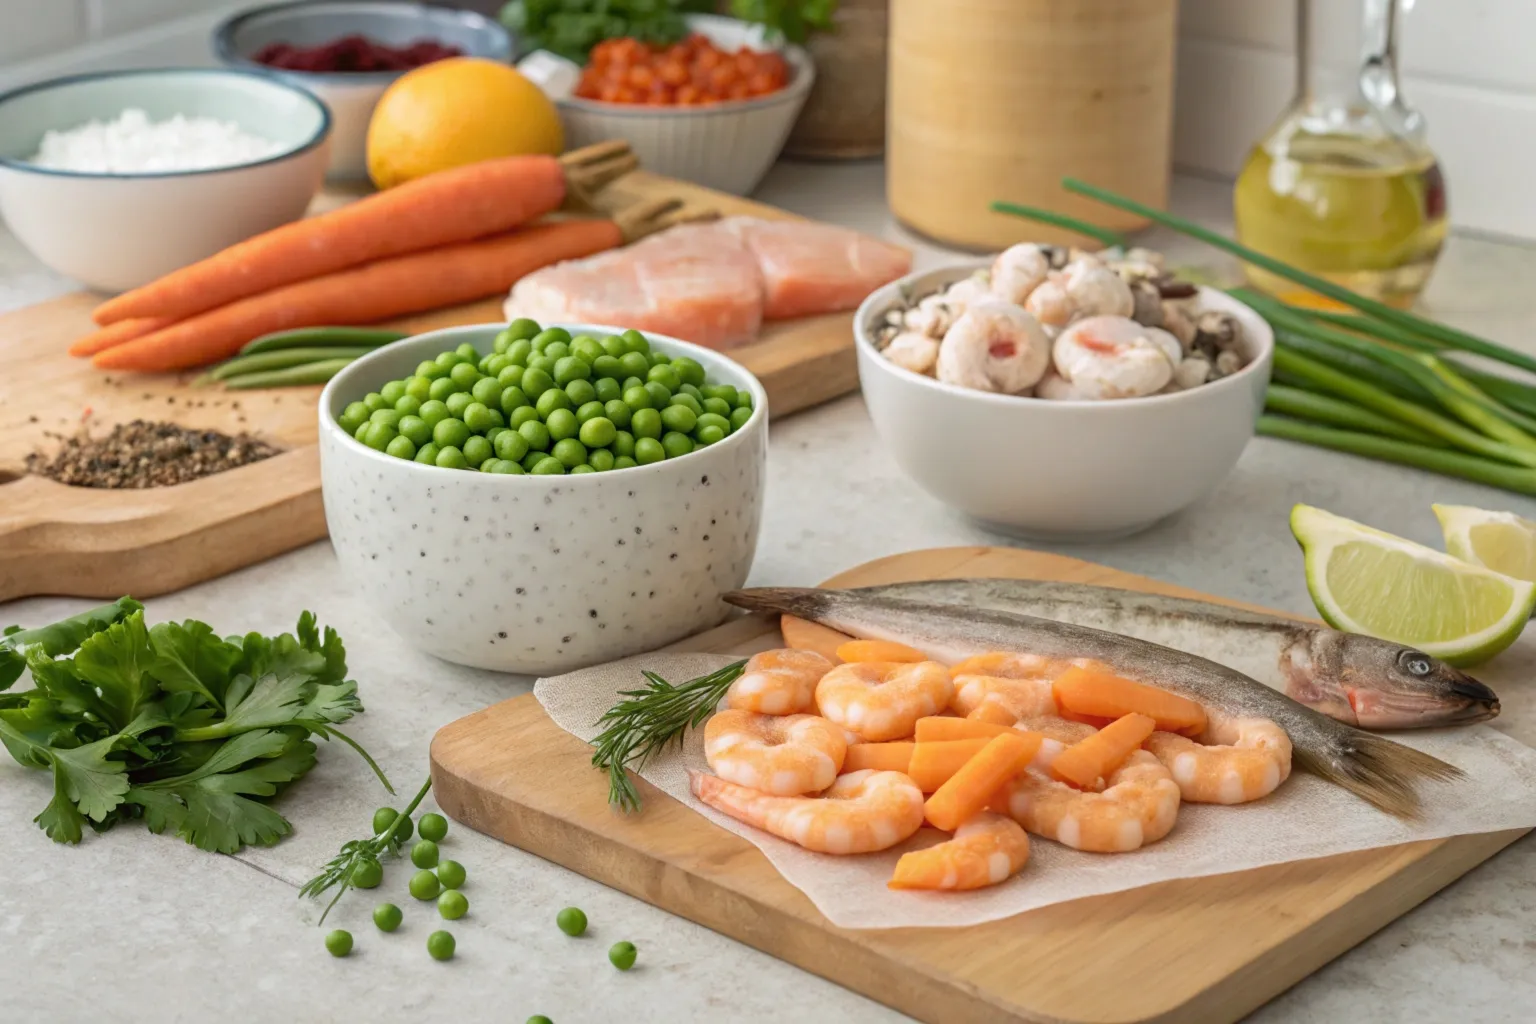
(347, 52)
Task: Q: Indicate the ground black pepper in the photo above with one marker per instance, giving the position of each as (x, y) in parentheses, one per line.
(144, 454)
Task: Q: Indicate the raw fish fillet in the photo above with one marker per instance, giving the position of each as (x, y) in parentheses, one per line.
(713, 284)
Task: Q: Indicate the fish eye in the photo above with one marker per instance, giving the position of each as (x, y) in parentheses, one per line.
(1414, 663)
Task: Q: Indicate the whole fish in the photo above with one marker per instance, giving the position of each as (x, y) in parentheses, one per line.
(1359, 680)
(1385, 773)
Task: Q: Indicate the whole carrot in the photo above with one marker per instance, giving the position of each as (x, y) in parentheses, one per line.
(457, 205)
(117, 333)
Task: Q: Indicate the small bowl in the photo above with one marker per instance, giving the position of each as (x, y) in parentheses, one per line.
(541, 574)
(728, 146)
(1050, 470)
(351, 96)
(118, 231)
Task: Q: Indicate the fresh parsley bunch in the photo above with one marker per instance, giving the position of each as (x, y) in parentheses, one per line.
(571, 28)
(191, 733)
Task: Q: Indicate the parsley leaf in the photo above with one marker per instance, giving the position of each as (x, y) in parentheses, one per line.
(116, 661)
(190, 658)
(62, 637)
(85, 783)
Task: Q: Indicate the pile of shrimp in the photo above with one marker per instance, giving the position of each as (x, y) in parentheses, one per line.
(855, 755)
(1064, 324)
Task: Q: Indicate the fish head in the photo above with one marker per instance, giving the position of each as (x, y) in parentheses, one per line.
(1390, 686)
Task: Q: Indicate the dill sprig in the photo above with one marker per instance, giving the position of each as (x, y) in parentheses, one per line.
(338, 870)
(649, 721)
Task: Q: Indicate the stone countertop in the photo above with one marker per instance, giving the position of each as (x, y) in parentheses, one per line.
(134, 927)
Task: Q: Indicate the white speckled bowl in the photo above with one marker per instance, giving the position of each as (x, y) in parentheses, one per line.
(541, 574)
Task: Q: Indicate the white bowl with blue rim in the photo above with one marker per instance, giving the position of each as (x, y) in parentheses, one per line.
(541, 574)
(115, 231)
(351, 96)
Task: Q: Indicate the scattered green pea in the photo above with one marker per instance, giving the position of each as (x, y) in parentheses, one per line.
(433, 826)
(401, 447)
(572, 921)
(518, 352)
(452, 905)
(339, 942)
(387, 917)
(622, 955)
(440, 946)
(476, 450)
(424, 854)
(367, 874)
(452, 874)
(424, 884)
(383, 818)
(539, 1018)
(450, 457)
(447, 361)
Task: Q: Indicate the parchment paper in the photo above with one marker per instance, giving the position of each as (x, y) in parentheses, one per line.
(1305, 818)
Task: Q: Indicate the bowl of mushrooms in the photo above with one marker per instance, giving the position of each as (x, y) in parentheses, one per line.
(1060, 394)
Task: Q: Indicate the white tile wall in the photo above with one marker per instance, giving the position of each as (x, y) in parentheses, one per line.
(109, 17)
(31, 27)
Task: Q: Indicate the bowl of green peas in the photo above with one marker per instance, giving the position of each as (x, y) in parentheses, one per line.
(536, 498)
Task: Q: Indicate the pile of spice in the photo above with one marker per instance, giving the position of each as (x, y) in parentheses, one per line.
(143, 454)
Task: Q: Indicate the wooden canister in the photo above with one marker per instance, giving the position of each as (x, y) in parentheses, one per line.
(844, 117)
(1001, 99)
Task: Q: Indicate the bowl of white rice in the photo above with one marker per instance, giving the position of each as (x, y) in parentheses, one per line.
(117, 178)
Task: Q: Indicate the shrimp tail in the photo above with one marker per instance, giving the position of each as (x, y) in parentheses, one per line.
(1378, 770)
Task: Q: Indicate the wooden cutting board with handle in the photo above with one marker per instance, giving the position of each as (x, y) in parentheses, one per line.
(1200, 950)
(85, 542)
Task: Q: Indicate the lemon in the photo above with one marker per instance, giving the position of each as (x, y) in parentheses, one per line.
(1501, 541)
(1367, 581)
(455, 112)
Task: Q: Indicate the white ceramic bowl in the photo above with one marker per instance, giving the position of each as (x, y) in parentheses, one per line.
(725, 146)
(541, 574)
(351, 97)
(1060, 470)
(118, 231)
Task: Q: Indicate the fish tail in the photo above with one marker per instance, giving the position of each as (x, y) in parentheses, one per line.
(805, 602)
(1380, 771)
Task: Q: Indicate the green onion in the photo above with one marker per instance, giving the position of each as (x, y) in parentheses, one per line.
(1309, 405)
(1434, 460)
(1365, 325)
(1061, 220)
(1511, 392)
(1384, 377)
(1454, 380)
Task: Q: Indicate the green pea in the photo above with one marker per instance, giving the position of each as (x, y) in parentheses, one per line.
(392, 391)
(373, 400)
(606, 367)
(539, 1018)
(687, 401)
(634, 341)
(362, 430)
(708, 435)
(536, 434)
(600, 459)
(692, 392)
(467, 351)
(606, 389)
(613, 345)
(572, 921)
(591, 410)
(743, 400)
(521, 329)
(486, 464)
(452, 874)
(492, 365)
(458, 402)
(618, 412)
(649, 450)
(718, 406)
(646, 423)
(500, 342)
(419, 388)
(464, 375)
(448, 360)
(427, 454)
(598, 432)
(623, 443)
(383, 818)
(451, 431)
(675, 444)
(440, 946)
(368, 874)
(638, 398)
(624, 462)
(508, 467)
(387, 917)
(583, 468)
(631, 382)
(548, 466)
(660, 359)
(424, 884)
(536, 382)
(510, 445)
(739, 417)
(522, 414)
(552, 400)
(549, 337)
(401, 447)
(477, 450)
(353, 416)
(450, 457)
(664, 374)
(580, 392)
(518, 352)
(378, 435)
(442, 388)
(634, 364)
(511, 399)
(660, 396)
(433, 412)
(493, 433)
(476, 417)
(511, 376)
(586, 346)
(622, 955)
(569, 368)
(408, 405)
(714, 419)
(542, 362)
(721, 391)
(388, 417)
(429, 369)
(484, 362)
(690, 370)
(556, 350)
(452, 905)
(487, 390)
(339, 942)
(562, 424)
(570, 452)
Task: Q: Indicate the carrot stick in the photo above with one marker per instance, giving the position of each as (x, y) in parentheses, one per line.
(456, 205)
(932, 764)
(883, 757)
(117, 333)
(994, 713)
(941, 727)
(1090, 759)
(1090, 692)
(367, 294)
(878, 650)
(968, 790)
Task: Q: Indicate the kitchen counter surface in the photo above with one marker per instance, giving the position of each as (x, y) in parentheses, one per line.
(133, 927)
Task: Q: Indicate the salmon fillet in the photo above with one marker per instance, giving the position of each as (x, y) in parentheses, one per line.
(713, 284)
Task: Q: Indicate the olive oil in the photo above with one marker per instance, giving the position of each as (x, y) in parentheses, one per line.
(1364, 211)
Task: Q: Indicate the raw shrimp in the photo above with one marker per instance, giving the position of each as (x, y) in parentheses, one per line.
(1050, 304)
(994, 346)
(1138, 806)
(1059, 735)
(1053, 387)
(1095, 290)
(863, 811)
(778, 682)
(1017, 271)
(883, 700)
(1012, 665)
(784, 755)
(986, 850)
(1240, 759)
(1115, 357)
(1020, 697)
(913, 351)
(932, 315)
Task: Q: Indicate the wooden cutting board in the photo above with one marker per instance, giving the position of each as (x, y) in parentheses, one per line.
(94, 543)
(1200, 950)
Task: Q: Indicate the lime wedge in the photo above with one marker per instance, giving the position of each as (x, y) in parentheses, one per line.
(1501, 541)
(1366, 581)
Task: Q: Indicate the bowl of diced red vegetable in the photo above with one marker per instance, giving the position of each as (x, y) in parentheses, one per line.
(715, 107)
(347, 52)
